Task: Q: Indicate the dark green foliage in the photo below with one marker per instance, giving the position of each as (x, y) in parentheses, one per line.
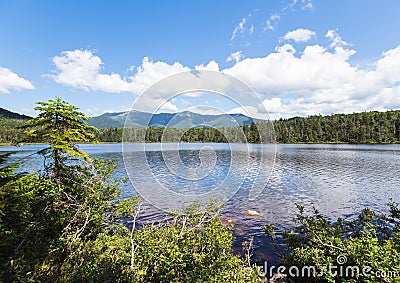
(365, 127)
(109, 135)
(245, 133)
(60, 125)
(43, 219)
(370, 242)
(4, 113)
(9, 131)
(194, 247)
(7, 171)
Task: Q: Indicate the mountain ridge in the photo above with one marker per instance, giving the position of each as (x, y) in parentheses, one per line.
(139, 119)
(4, 113)
(184, 119)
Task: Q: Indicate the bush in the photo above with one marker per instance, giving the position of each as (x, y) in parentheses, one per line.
(366, 249)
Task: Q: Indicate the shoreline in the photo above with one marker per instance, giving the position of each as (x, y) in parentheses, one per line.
(297, 143)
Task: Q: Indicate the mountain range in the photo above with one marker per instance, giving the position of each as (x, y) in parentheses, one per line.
(138, 119)
(185, 119)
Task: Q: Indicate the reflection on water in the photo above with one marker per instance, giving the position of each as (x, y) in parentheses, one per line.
(339, 180)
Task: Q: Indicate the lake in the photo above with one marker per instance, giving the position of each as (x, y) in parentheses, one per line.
(339, 180)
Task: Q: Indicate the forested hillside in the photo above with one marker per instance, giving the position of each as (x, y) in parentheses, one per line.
(4, 113)
(9, 131)
(240, 134)
(365, 127)
(180, 120)
(9, 121)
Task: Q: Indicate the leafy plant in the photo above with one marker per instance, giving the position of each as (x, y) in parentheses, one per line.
(366, 249)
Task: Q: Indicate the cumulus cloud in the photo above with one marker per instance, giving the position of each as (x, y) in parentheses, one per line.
(282, 71)
(82, 69)
(321, 81)
(336, 40)
(299, 35)
(150, 72)
(168, 107)
(211, 66)
(10, 80)
(235, 56)
(314, 79)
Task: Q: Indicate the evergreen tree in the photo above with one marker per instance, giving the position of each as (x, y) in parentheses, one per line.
(62, 126)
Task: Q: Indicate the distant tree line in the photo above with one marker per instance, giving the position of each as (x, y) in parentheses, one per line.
(254, 133)
(9, 131)
(240, 134)
(365, 127)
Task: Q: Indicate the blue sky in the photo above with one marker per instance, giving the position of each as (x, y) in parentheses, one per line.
(302, 57)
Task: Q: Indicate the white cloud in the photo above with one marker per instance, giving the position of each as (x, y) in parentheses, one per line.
(307, 5)
(239, 28)
(299, 35)
(251, 111)
(282, 71)
(271, 21)
(286, 48)
(205, 110)
(321, 81)
(10, 80)
(82, 69)
(193, 94)
(251, 30)
(150, 72)
(336, 40)
(235, 56)
(211, 66)
(168, 107)
(316, 79)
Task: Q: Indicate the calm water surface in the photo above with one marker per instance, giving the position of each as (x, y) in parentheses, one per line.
(339, 180)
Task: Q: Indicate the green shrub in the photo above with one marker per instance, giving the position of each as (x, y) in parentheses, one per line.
(366, 249)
